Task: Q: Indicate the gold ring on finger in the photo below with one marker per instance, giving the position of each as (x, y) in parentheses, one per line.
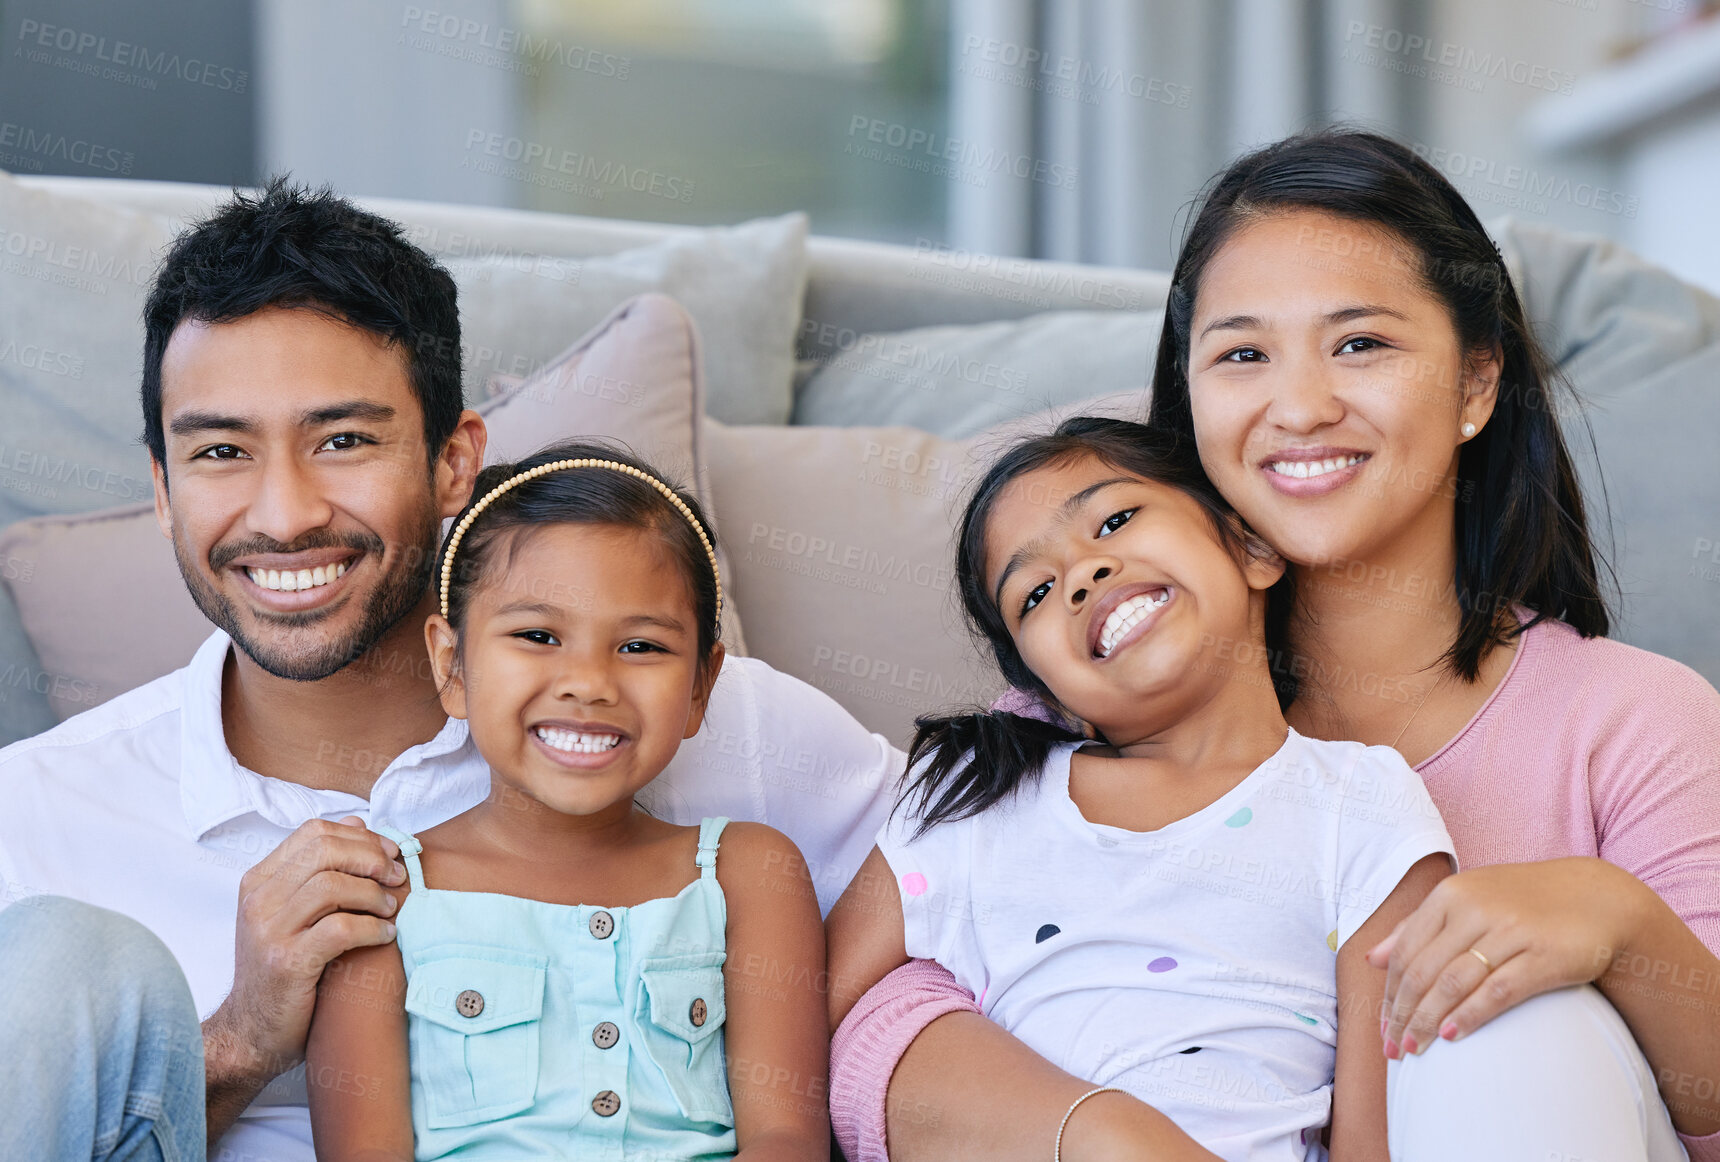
(1485, 963)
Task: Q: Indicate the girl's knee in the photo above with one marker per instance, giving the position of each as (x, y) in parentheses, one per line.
(1560, 1072)
(1576, 1021)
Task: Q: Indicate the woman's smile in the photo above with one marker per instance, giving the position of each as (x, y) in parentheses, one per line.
(1313, 471)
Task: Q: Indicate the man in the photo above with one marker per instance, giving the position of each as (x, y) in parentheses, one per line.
(302, 409)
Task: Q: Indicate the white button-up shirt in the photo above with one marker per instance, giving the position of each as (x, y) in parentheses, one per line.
(137, 805)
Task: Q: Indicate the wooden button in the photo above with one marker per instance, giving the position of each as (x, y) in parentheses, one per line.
(606, 1104)
(469, 1003)
(698, 1012)
(602, 924)
(605, 1035)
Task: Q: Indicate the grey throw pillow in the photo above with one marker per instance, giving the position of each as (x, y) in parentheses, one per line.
(956, 381)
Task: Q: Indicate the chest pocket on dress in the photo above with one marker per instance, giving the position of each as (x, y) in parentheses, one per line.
(474, 1029)
(680, 1021)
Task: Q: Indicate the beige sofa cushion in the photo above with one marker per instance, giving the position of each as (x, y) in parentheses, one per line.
(841, 545)
(100, 597)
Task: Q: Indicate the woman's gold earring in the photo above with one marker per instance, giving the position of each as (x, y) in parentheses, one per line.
(1468, 430)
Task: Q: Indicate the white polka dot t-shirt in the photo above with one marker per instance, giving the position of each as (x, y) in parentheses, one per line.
(1195, 965)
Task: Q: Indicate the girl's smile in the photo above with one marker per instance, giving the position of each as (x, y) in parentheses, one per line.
(586, 745)
(1124, 615)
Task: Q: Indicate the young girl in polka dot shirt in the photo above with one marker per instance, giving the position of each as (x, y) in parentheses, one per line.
(1169, 892)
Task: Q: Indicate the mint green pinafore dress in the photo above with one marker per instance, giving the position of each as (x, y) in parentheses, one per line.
(566, 1031)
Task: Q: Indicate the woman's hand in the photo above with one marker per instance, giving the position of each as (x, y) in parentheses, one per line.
(1539, 926)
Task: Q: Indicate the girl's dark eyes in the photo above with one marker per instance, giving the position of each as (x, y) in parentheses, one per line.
(1034, 597)
(1243, 355)
(1350, 345)
(542, 637)
(1111, 524)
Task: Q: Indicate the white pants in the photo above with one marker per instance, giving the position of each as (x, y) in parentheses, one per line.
(1556, 1079)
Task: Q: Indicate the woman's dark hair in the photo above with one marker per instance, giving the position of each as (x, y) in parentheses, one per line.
(974, 760)
(290, 246)
(1522, 536)
(580, 496)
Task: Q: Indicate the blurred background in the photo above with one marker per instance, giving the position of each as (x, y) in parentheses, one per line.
(1066, 129)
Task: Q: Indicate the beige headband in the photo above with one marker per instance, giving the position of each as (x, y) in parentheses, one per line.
(459, 533)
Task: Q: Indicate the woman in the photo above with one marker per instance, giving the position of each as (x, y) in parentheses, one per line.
(1346, 349)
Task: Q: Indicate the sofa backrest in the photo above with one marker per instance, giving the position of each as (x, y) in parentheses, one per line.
(855, 287)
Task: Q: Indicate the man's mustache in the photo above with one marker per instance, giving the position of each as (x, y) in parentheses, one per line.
(225, 554)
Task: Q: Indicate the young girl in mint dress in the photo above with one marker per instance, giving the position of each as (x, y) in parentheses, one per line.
(566, 979)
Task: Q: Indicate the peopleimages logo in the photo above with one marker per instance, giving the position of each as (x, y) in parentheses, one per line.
(1519, 187)
(568, 170)
(124, 60)
(454, 30)
(964, 155)
(1062, 75)
(32, 145)
(1441, 60)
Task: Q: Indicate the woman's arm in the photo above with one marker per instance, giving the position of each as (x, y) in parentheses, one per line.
(356, 1067)
(1642, 921)
(964, 1088)
(1555, 923)
(1665, 983)
(1358, 1130)
(775, 1038)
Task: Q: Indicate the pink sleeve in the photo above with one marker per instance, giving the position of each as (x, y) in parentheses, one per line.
(872, 1039)
(1656, 786)
(1655, 780)
(1702, 1149)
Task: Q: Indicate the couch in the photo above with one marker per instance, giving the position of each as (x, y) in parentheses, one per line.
(829, 397)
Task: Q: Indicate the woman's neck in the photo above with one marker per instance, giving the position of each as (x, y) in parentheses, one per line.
(1367, 646)
(1390, 615)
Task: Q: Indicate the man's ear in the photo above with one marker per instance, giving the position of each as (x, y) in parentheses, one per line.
(702, 686)
(163, 510)
(458, 465)
(443, 646)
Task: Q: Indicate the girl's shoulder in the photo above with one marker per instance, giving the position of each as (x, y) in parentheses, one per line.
(1027, 799)
(1337, 760)
(765, 880)
(747, 852)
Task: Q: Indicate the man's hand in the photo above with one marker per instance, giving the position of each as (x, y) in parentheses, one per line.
(318, 895)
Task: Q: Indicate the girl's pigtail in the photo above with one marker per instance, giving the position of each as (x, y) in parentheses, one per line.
(961, 764)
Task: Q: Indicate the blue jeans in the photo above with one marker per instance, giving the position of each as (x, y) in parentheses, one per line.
(101, 1054)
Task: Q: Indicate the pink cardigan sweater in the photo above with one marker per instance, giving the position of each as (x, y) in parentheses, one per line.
(1588, 747)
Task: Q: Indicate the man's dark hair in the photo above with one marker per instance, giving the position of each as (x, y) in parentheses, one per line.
(291, 246)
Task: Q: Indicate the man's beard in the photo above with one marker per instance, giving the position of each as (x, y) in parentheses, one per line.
(394, 596)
